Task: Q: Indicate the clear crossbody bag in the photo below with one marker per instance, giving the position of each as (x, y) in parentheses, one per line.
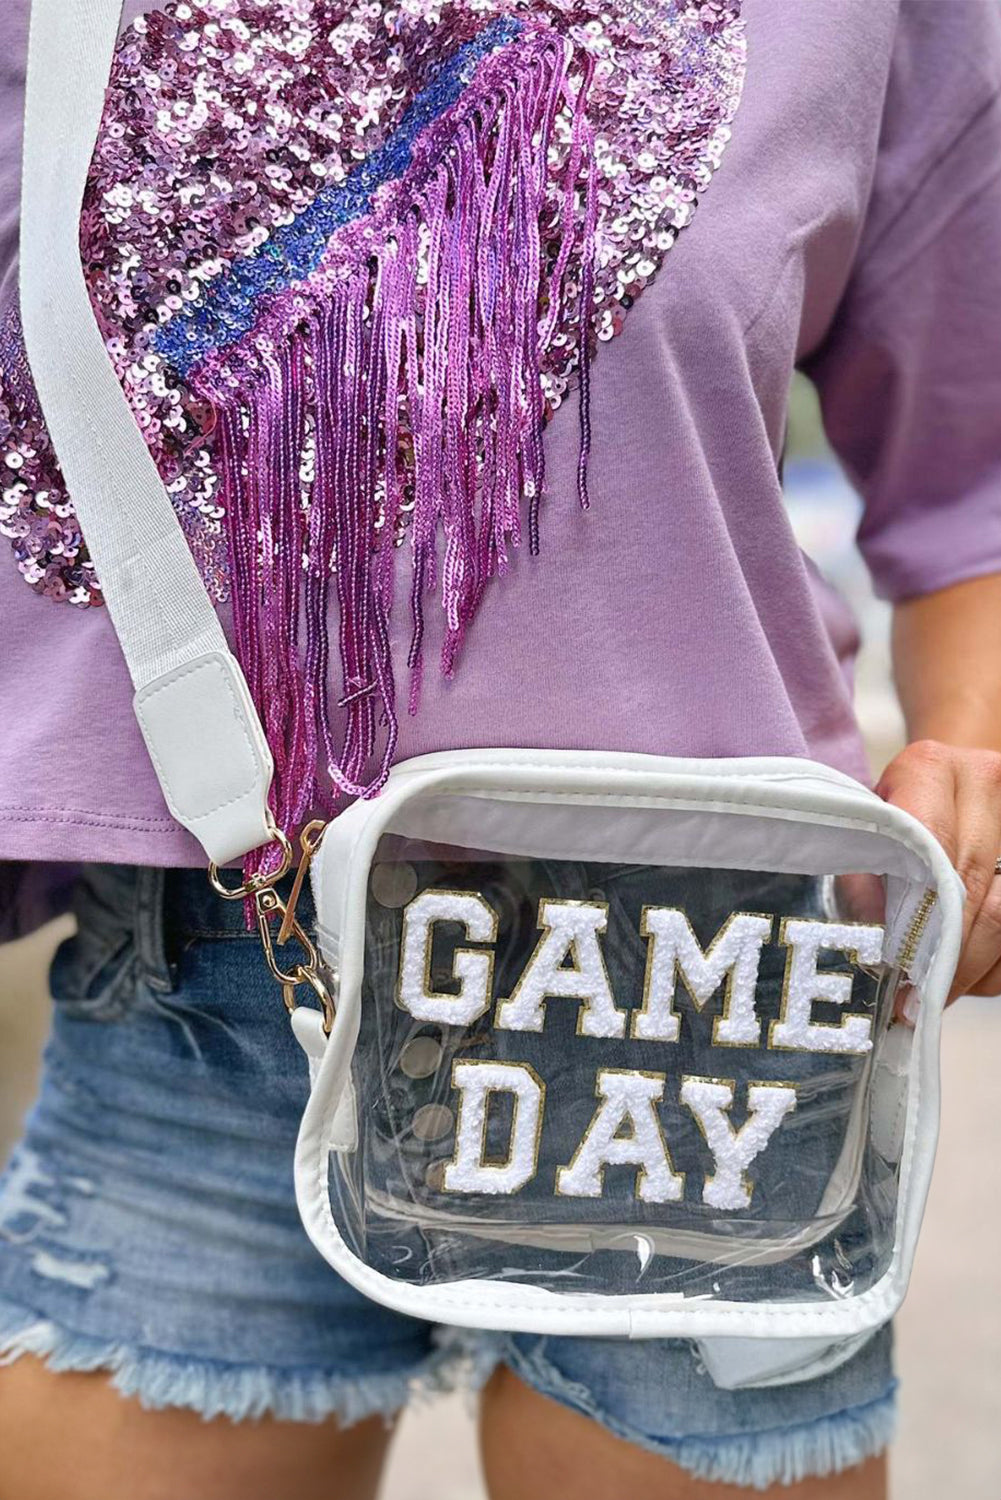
(599, 1043)
(614, 1050)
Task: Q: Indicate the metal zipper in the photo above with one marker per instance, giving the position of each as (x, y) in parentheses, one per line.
(915, 932)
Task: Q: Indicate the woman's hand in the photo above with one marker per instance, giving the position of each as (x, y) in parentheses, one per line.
(948, 672)
(956, 793)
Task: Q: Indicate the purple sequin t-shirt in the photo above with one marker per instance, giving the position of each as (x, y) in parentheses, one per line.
(853, 230)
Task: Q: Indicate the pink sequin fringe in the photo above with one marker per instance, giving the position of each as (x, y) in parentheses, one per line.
(409, 384)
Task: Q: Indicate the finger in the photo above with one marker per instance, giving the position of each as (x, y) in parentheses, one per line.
(904, 1005)
(978, 822)
(990, 985)
(860, 898)
(981, 954)
(922, 781)
(959, 799)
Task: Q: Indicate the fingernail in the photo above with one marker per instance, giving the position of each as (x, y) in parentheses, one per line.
(911, 1006)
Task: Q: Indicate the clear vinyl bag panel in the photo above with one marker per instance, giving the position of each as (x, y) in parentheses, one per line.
(677, 1073)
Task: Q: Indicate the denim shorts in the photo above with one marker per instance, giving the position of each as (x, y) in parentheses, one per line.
(148, 1226)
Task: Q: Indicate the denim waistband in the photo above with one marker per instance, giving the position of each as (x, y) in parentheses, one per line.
(162, 910)
(194, 909)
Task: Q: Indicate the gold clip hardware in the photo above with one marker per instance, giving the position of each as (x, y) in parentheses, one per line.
(268, 905)
(309, 842)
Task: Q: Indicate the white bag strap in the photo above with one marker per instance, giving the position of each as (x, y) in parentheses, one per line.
(192, 701)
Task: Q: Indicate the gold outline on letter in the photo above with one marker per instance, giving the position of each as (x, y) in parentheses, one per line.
(489, 953)
(640, 1174)
(679, 975)
(483, 1062)
(731, 1083)
(545, 928)
(852, 955)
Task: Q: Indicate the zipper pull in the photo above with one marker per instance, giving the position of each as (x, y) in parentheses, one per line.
(309, 841)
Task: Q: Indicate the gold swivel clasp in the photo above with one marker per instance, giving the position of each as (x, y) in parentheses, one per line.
(269, 907)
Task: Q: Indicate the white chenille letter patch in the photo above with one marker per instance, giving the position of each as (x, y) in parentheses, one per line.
(468, 1172)
(804, 985)
(734, 955)
(471, 967)
(709, 1100)
(570, 930)
(628, 1101)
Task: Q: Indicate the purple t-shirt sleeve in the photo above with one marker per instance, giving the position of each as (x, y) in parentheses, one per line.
(909, 375)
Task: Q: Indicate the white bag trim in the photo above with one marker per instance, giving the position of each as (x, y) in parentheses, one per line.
(778, 787)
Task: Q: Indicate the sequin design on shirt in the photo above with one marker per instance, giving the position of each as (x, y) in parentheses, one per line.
(348, 260)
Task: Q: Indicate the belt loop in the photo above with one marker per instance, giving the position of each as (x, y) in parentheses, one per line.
(151, 948)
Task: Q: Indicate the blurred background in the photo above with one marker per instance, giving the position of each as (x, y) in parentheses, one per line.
(949, 1333)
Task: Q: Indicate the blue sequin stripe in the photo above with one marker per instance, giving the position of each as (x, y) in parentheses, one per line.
(295, 250)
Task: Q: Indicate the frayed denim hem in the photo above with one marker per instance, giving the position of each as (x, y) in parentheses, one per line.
(753, 1460)
(785, 1455)
(215, 1388)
